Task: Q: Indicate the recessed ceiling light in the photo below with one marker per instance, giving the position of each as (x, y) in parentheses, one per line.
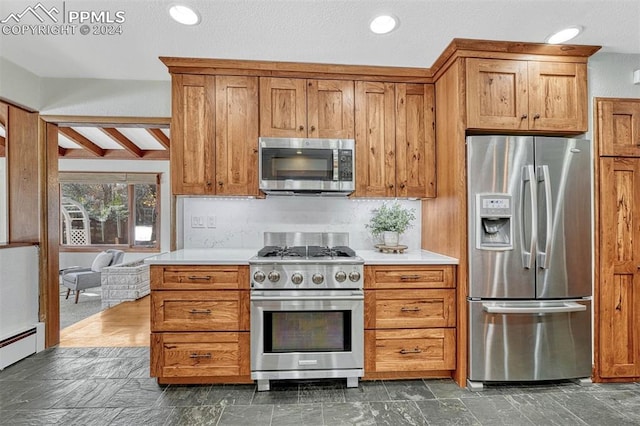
(184, 14)
(383, 24)
(564, 35)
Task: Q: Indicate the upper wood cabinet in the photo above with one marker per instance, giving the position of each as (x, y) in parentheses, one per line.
(526, 95)
(214, 132)
(395, 140)
(291, 107)
(619, 127)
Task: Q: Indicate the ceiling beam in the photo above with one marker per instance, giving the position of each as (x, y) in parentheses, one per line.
(117, 154)
(82, 141)
(92, 121)
(123, 141)
(160, 137)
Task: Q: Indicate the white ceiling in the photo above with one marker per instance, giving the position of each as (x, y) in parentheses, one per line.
(324, 31)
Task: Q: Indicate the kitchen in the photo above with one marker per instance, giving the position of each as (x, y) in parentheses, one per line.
(425, 223)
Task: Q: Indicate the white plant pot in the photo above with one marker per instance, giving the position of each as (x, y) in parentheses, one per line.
(391, 238)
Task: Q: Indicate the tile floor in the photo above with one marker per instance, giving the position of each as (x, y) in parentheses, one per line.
(111, 386)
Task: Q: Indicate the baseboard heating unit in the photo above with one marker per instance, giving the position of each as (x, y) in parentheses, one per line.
(21, 344)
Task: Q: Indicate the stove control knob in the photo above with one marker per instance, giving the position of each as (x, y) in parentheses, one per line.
(259, 276)
(296, 278)
(274, 276)
(317, 278)
(354, 276)
(341, 276)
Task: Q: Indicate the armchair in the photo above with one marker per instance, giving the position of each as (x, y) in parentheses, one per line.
(79, 278)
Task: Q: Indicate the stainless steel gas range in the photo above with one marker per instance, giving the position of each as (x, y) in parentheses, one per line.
(307, 309)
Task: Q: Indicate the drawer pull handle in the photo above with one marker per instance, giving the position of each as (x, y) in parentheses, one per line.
(194, 355)
(404, 309)
(195, 277)
(414, 351)
(409, 277)
(201, 311)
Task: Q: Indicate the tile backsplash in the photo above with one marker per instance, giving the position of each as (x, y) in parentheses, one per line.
(240, 223)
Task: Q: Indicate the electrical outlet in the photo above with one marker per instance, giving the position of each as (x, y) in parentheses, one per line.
(197, 221)
(211, 221)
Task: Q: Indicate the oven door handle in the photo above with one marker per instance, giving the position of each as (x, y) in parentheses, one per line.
(258, 296)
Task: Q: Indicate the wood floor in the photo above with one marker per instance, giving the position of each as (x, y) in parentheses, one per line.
(123, 325)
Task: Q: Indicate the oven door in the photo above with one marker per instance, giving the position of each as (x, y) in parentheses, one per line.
(306, 330)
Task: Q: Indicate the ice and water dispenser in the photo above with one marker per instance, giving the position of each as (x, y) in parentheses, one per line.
(494, 226)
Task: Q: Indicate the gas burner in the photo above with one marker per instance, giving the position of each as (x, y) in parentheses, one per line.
(338, 251)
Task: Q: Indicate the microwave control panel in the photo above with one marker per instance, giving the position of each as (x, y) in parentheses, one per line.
(345, 164)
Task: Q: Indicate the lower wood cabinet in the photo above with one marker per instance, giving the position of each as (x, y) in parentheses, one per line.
(410, 318)
(194, 356)
(200, 324)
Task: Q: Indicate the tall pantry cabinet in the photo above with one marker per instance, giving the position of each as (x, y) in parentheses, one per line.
(617, 354)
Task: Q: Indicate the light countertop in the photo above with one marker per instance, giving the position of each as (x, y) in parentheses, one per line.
(224, 256)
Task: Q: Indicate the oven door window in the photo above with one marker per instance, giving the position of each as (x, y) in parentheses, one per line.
(307, 331)
(298, 164)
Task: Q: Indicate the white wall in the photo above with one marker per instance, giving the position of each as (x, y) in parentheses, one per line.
(240, 223)
(19, 85)
(91, 97)
(63, 96)
(152, 166)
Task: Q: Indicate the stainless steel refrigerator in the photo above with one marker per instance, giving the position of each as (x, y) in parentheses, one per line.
(530, 258)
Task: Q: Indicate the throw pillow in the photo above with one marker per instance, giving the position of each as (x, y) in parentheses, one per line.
(102, 259)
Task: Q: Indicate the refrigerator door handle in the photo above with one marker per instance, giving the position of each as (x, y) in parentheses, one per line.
(544, 258)
(515, 309)
(529, 175)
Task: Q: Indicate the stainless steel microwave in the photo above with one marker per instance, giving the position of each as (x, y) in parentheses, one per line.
(307, 166)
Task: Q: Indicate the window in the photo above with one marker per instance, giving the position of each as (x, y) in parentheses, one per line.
(114, 209)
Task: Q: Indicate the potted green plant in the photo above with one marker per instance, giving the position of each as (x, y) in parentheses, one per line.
(389, 221)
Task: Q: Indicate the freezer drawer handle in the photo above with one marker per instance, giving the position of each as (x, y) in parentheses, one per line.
(414, 351)
(565, 307)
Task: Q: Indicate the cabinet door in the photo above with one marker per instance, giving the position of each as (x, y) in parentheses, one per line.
(236, 135)
(283, 107)
(375, 139)
(415, 141)
(192, 134)
(557, 96)
(619, 310)
(207, 355)
(497, 94)
(330, 109)
(619, 128)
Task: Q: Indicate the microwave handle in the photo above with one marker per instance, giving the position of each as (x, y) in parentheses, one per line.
(336, 165)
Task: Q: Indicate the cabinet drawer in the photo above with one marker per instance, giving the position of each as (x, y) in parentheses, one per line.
(199, 277)
(414, 277)
(199, 310)
(409, 350)
(410, 308)
(200, 354)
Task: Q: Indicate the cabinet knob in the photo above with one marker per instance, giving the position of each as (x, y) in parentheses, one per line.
(523, 117)
(535, 117)
(390, 186)
(402, 185)
(301, 128)
(313, 128)
(208, 183)
(220, 183)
